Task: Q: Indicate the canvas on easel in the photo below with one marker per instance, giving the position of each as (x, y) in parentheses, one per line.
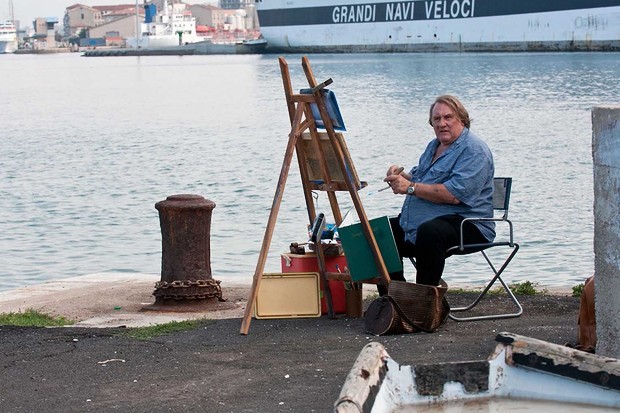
(313, 158)
(333, 110)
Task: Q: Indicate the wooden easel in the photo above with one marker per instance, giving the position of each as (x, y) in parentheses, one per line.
(318, 153)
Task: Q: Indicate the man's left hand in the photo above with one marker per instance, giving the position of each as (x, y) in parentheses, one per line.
(398, 183)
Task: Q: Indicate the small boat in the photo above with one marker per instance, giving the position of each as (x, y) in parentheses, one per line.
(522, 375)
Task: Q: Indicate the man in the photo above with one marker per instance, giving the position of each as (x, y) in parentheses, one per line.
(452, 181)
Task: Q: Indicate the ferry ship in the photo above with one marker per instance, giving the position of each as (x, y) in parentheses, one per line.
(8, 37)
(323, 26)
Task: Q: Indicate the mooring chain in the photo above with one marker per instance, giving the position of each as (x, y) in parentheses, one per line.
(212, 285)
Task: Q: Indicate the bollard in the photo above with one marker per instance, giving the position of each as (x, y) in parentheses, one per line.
(185, 222)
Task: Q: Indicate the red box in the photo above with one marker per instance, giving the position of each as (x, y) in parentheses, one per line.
(308, 263)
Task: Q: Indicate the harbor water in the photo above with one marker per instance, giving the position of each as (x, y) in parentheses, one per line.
(89, 145)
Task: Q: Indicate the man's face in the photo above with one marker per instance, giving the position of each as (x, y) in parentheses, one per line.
(446, 124)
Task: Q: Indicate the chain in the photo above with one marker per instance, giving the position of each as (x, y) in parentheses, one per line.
(170, 290)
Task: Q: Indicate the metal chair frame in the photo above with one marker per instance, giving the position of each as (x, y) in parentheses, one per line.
(501, 202)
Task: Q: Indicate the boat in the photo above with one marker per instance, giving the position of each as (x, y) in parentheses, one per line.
(8, 37)
(174, 25)
(173, 31)
(324, 26)
(522, 374)
(245, 46)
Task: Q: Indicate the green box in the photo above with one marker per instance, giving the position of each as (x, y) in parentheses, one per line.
(360, 259)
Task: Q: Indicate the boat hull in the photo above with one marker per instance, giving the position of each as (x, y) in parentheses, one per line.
(440, 26)
(8, 46)
(521, 370)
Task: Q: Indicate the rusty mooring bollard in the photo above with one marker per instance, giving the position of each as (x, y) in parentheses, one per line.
(185, 222)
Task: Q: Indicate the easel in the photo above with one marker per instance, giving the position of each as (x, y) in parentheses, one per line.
(313, 149)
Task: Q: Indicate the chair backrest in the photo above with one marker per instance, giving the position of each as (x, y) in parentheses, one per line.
(501, 194)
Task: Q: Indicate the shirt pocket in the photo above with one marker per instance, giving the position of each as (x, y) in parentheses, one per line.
(437, 175)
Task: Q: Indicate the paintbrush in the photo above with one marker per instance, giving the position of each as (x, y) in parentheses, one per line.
(396, 172)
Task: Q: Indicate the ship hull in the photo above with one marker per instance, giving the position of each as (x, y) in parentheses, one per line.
(8, 46)
(440, 26)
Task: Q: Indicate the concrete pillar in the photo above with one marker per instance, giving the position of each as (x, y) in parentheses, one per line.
(606, 162)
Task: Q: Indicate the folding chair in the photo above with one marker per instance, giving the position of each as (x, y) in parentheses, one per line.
(501, 202)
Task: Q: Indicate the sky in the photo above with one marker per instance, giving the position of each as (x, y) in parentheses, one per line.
(28, 10)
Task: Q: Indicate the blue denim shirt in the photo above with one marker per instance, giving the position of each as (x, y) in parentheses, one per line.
(466, 169)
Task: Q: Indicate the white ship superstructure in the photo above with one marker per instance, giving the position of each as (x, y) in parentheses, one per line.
(8, 37)
(174, 25)
(440, 25)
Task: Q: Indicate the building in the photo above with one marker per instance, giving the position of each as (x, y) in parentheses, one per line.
(115, 31)
(44, 36)
(81, 17)
(120, 11)
(225, 19)
(207, 15)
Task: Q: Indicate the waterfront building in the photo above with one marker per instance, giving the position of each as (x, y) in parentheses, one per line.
(81, 17)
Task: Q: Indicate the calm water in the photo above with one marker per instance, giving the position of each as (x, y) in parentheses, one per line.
(89, 145)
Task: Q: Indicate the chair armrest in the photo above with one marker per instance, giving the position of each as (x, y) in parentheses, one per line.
(506, 220)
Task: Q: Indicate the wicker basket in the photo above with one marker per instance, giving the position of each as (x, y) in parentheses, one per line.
(423, 306)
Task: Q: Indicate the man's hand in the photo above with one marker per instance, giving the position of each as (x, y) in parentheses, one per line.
(398, 183)
(397, 170)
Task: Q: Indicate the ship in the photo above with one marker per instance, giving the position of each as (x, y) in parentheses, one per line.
(8, 37)
(174, 25)
(173, 31)
(323, 26)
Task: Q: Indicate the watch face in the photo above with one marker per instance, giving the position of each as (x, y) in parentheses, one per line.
(410, 190)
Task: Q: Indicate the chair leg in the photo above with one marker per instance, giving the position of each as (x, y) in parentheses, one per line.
(498, 276)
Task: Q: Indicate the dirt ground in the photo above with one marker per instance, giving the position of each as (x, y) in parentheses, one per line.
(284, 365)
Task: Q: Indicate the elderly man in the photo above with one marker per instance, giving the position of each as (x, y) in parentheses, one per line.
(452, 181)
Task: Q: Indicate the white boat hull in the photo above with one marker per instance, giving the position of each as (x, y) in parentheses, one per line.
(521, 368)
(439, 25)
(161, 41)
(8, 46)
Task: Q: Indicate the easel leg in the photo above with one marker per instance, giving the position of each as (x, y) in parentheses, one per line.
(273, 216)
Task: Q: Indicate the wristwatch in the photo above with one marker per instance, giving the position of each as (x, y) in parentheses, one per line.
(411, 189)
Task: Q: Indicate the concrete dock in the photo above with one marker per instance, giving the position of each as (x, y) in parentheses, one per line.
(117, 299)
